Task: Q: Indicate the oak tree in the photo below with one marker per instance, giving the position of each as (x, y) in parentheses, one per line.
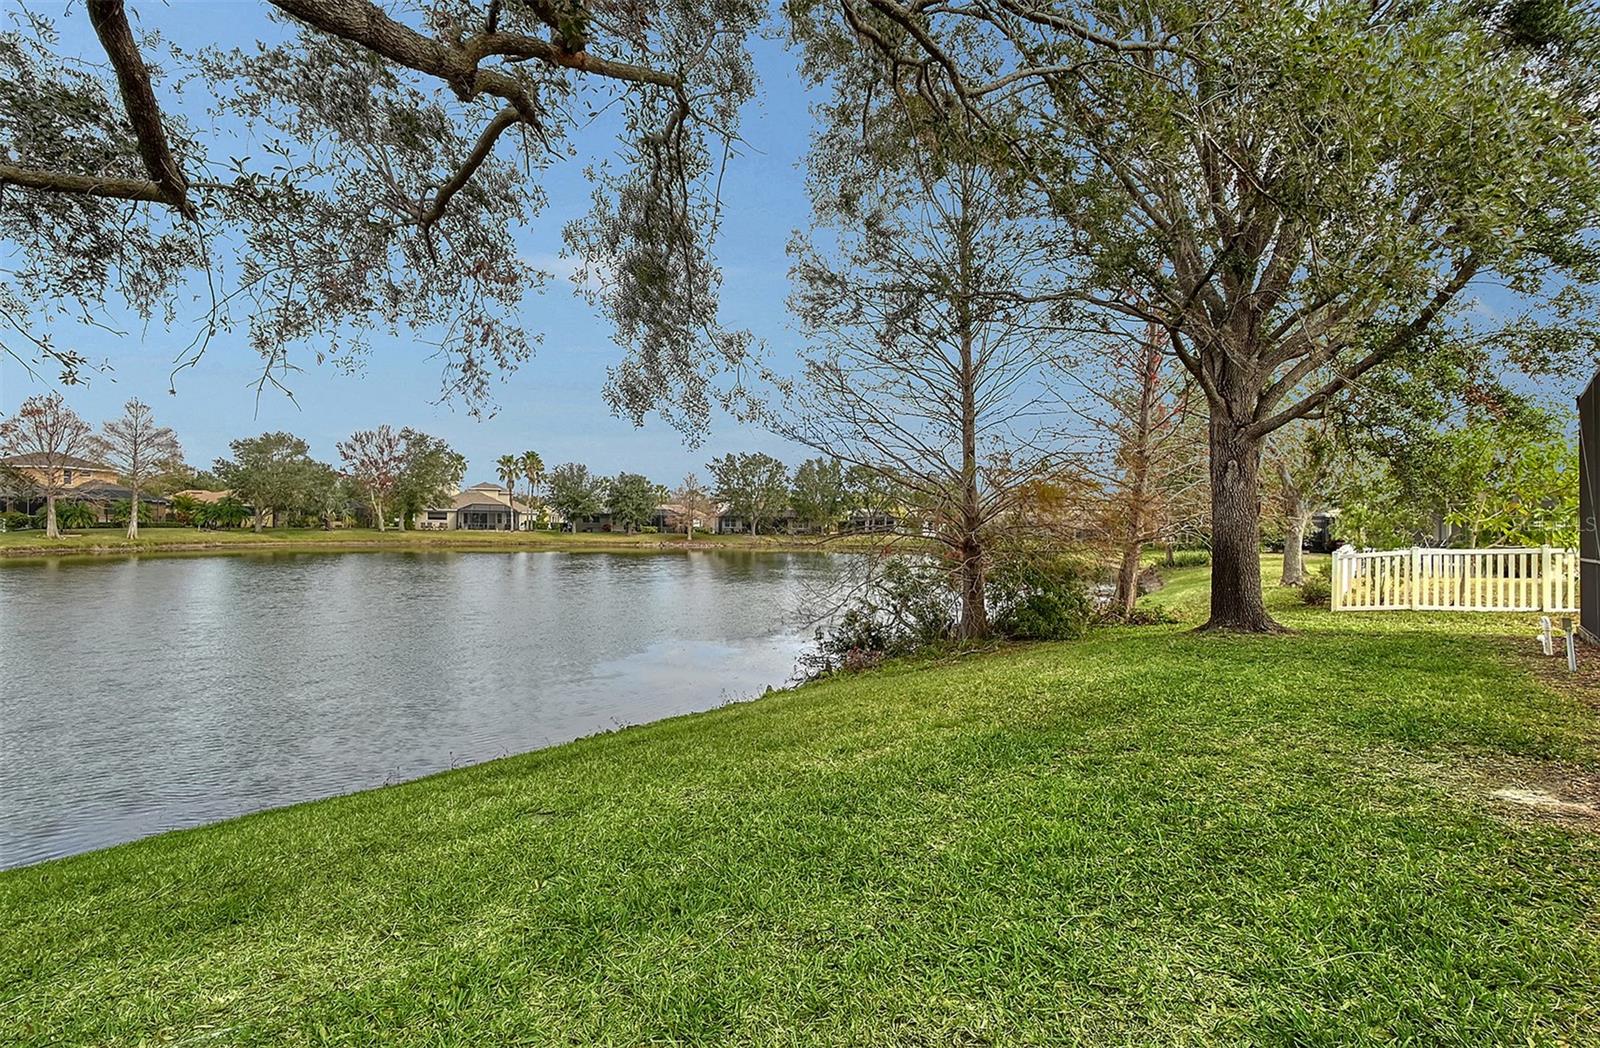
(369, 169)
(1296, 194)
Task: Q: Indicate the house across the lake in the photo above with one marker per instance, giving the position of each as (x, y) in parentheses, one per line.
(669, 516)
(482, 507)
(94, 484)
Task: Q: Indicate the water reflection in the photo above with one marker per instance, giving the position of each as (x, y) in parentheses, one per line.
(147, 693)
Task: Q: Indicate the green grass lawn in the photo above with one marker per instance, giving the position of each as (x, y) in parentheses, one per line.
(1144, 837)
(114, 540)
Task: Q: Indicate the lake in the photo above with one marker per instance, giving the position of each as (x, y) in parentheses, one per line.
(147, 693)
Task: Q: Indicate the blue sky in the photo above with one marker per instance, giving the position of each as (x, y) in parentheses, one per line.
(553, 403)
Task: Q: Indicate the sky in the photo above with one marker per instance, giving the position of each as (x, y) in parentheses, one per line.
(553, 403)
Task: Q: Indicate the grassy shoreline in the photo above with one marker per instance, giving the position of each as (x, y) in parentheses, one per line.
(113, 542)
(1146, 836)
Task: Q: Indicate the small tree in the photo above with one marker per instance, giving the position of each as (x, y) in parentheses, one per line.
(374, 459)
(533, 470)
(755, 486)
(509, 469)
(1301, 459)
(574, 493)
(694, 503)
(633, 500)
(141, 451)
(1148, 468)
(51, 435)
(328, 495)
(430, 470)
(819, 496)
(274, 473)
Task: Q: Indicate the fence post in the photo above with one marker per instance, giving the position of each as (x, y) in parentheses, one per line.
(1544, 578)
(1336, 594)
(1416, 578)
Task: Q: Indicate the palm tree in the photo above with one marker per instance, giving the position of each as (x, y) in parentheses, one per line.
(532, 468)
(510, 470)
(76, 515)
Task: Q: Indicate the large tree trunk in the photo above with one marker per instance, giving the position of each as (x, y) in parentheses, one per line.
(133, 515)
(1236, 599)
(1294, 540)
(50, 529)
(256, 523)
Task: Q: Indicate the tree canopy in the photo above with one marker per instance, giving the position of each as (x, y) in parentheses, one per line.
(1295, 194)
(368, 172)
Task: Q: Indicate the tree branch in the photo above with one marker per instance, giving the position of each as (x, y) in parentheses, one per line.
(82, 185)
(110, 23)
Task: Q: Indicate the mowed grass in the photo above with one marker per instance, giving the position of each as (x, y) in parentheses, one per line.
(1145, 837)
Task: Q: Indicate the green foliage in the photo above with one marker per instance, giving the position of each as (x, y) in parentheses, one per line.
(430, 471)
(272, 473)
(905, 606)
(819, 496)
(13, 520)
(226, 512)
(1316, 590)
(573, 493)
(755, 486)
(1039, 598)
(1511, 481)
(633, 500)
(71, 514)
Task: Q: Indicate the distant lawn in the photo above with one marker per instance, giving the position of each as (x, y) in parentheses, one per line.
(114, 540)
(1144, 837)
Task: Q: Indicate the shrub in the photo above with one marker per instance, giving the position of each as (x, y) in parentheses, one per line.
(1146, 616)
(1044, 599)
(1316, 590)
(905, 607)
(11, 520)
(1190, 558)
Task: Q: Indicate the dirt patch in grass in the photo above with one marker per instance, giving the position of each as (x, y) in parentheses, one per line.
(1544, 791)
(1551, 670)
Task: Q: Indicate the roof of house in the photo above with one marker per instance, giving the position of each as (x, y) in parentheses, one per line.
(61, 462)
(486, 495)
(98, 491)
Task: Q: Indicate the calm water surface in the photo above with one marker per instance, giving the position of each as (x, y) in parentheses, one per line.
(143, 694)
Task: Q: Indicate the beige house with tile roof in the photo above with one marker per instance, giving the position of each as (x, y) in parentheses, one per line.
(482, 507)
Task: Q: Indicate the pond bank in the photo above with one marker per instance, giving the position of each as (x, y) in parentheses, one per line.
(110, 542)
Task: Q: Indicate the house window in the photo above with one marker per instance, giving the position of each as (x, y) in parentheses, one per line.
(438, 514)
(66, 477)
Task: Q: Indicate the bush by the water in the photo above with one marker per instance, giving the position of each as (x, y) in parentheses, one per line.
(910, 606)
(1189, 558)
(1043, 599)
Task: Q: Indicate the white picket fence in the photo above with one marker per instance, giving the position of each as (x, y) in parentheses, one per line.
(1537, 578)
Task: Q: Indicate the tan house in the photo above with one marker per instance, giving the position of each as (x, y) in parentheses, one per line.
(202, 495)
(92, 483)
(75, 472)
(482, 507)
